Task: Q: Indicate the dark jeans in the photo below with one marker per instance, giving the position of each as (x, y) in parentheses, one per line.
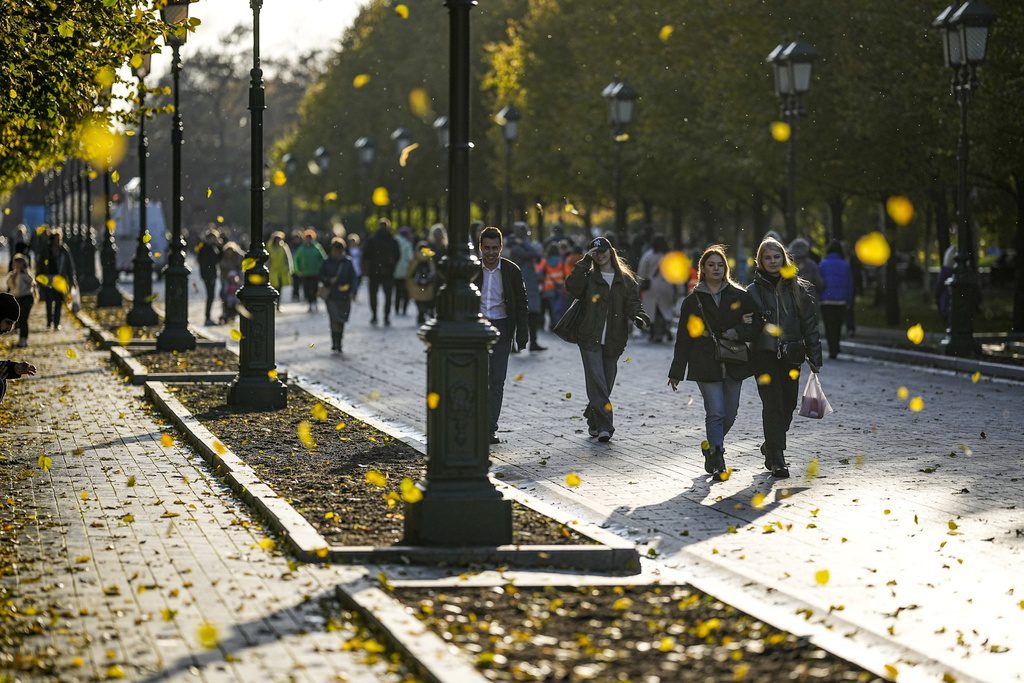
(310, 283)
(296, 286)
(424, 311)
(497, 369)
(211, 294)
(401, 295)
(833, 316)
(383, 283)
(599, 370)
(721, 403)
(778, 398)
(54, 303)
(26, 308)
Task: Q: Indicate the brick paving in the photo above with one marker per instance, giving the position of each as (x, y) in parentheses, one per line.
(916, 516)
(127, 546)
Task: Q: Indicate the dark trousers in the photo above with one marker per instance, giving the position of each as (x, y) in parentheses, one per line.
(833, 316)
(310, 283)
(778, 398)
(26, 308)
(497, 369)
(296, 287)
(424, 311)
(536, 322)
(211, 294)
(401, 295)
(54, 303)
(382, 283)
(599, 370)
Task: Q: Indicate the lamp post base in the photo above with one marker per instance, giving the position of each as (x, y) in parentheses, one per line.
(88, 281)
(960, 346)
(142, 314)
(175, 336)
(459, 514)
(109, 297)
(257, 386)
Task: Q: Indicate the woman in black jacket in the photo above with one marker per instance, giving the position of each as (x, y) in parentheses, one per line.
(718, 308)
(787, 334)
(338, 274)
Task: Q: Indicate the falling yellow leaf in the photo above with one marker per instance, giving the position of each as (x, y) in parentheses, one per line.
(622, 603)
(167, 440)
(209, 192)
(402, 11)
(272, 373)
(374, 395)
(236, 335)
(916, 333)
(220, 219)
(279, 178)
(147, 238)
(794, 373)
(101, 146)
(322, 552)
(339, 426)
(403, 158)
(695, 326)
(381, 196)
(821, 577)
(952, 525)
(208, 635)
(740, 672)
(43, 279)
(665, 33)
(319, 412)
(267, 543)
(675, 267)
(812, 468)
(903, 393)
(331, 196)
(115, 177)
(410, 492)
(916, 404)
(419, 102)
(248, 263)
(788, 271)
(781, 131)
(360, 80)
(71, 353)
(622, 137)
(764, 379)
(773, 330)
(891, 671)
(572, 480)
(305, 436)
(873, 249)
(518, 377)
(433, 400)
(115, 671)
(45, 463)
(900, 209)
(608, 406)
(77, 662)
(975, 377)
(111, 226)
(758, 500)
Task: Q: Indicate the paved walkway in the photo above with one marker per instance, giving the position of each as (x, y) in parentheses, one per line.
(916, 516)
(128, 553)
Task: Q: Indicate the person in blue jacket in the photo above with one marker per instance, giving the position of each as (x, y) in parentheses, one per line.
(836, 294)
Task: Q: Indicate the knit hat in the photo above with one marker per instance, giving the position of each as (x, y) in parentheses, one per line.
(9, 308)
(799, 248)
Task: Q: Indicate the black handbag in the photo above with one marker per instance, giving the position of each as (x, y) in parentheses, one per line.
(726, 350)
(568, 325)
(792, 352)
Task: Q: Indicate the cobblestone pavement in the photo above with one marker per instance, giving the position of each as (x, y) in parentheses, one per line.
(916, 516)
(128, 554)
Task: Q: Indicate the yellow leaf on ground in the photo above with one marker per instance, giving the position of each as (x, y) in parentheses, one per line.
(219, 448)
(114, 671)
(821, 577)
(758, 500)
(572, 479)
(916, 404)
(410, 492)
(71, 353)
(891, 671)
(319, 412)
(84, 495)
(267, 543)
(167, 440)
(903, 393)
(208, 635)
(375, 478)
(124, 335)
(45, 463)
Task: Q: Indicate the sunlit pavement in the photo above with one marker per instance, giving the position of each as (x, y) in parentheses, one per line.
(916, 516)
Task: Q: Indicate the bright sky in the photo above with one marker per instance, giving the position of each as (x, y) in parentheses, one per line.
(287, 26)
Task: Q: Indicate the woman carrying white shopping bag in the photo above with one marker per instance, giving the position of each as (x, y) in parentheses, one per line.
(814, 404)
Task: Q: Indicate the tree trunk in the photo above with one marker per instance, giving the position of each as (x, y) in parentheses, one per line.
(677, 227)
(836, 209)
(540, 220)
(648, 213)
(710, 222)
(892, 282)
(929, 220)
(760, 218)
(942, 221)
(1018, 281)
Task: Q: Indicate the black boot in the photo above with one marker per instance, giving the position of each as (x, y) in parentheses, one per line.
(718, 457)
(709, 456)
(775, 462)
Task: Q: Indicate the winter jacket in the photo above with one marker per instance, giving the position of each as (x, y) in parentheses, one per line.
(60, 264)
(280, 264)
(208, 254)
(838, 280)
(340, 276)
(526, 255)
(788, 305)
(404, 257)
(308, 258)
(6, 372)
(21, 284)
(421, 292)
(619, 306)
(513, 292)
(694, 359)
(380, 254)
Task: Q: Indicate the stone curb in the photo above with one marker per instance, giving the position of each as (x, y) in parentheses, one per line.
(139, 375)
(106, 340)
(438, 661)
(959, 365)
(303, 539)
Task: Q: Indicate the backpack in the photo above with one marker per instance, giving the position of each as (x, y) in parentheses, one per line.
(422, 276)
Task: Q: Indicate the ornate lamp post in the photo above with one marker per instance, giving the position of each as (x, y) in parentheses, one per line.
(87, 280)
(508, 118)
(441, 128)
(621, 99)
(142, 313)
(73, 236)
(109, 295)
(460, 506)
(366, 152)
(402, 139)
(791, 65)
(319, 165)
(964, 31)
(175, 335)
(257, 386)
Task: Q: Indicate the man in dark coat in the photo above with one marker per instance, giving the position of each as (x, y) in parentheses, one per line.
(503, 302)
(379, 256)
(10, 311)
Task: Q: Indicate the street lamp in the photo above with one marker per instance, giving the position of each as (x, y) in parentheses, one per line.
(75, 204)
(87, 280)
(257, 386)
(175, 335)
(402, 139)
(321, 162)
(964, 30)
(441, 129)
(460, 505)
(142, 313)
(366, 152)
(109, 296)
(791, 67)
(621, 99)
(508, 118)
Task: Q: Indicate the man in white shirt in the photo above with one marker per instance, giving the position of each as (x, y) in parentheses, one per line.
(503, 302)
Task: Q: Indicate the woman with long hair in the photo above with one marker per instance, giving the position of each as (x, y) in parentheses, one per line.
(787, 334)
(338, 274)
(718, 308)
(608, 293)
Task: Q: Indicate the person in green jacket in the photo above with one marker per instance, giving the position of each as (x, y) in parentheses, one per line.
(280, 264)
(308, 259)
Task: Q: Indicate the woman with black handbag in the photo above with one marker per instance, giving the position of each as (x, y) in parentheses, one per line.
(714, 323)
(787, 335)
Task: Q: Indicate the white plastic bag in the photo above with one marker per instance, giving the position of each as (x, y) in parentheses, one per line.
(814, 404)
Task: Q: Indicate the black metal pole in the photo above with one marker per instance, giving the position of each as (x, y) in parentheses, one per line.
(87, 280)
(75, 194)
(460, 506)
(959, 340)
(790, 116)
(109, 296)
(620, 208)
(256, 385)
(142, 313)
(175, 335)
(509, 217)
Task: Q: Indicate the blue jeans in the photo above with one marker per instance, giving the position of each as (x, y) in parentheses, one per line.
(721, 402)
(498, 369)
